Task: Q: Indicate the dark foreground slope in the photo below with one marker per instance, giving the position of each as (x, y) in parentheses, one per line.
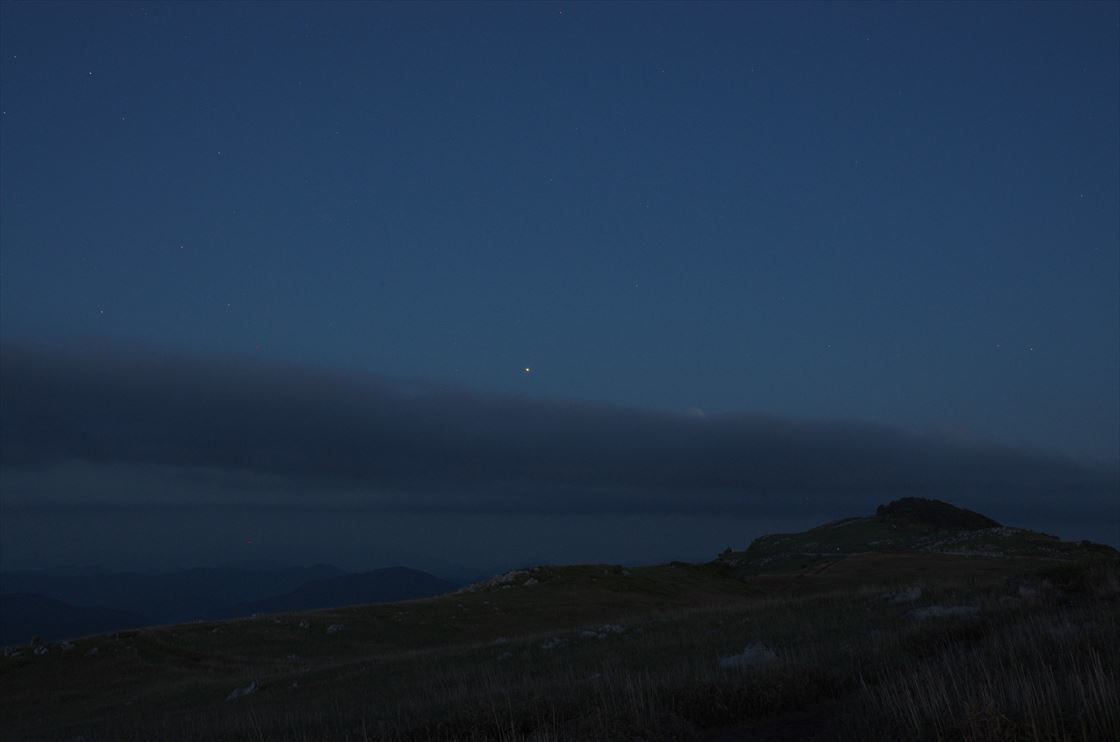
(877, 646)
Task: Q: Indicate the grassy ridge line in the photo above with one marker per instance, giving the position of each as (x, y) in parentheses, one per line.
(385, 671)
(182, 667)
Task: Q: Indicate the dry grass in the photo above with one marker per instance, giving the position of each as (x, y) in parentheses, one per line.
(1042, 677)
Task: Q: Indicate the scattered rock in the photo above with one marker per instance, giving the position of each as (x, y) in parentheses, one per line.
(505, 656)
(552, 642)
(943, 611)
(305, 624)
(530, 582)
(909, 595)
(334, 628)
(41, 649)
(500, 640)
(66, 646)
(603, 631)
(754, 655)
(503, 580)
(248, 690)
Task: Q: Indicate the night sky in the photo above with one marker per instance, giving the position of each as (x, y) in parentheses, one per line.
(465, 285)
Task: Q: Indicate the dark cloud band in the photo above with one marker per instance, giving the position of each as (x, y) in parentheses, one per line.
(416, 444)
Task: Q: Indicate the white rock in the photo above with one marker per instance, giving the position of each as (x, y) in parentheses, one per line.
(753, 656)
(248, 690)
(909, 595)
(334, 628)
(502, 580)
(943, 611)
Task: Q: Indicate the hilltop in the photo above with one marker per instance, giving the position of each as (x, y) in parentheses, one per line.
(909, 526)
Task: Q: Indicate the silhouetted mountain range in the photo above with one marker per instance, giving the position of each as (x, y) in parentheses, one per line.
(200, 593)
(24, 616)
(58, 606)
(377, 586)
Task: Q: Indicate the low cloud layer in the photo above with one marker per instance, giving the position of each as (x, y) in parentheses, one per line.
(321, 439)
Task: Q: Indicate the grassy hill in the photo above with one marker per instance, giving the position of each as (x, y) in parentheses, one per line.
(908, 526)
(887, 644)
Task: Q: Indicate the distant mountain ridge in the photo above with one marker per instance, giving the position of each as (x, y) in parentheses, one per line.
(184, 595)
(54, 606)
(376, 586)
(23, 616)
